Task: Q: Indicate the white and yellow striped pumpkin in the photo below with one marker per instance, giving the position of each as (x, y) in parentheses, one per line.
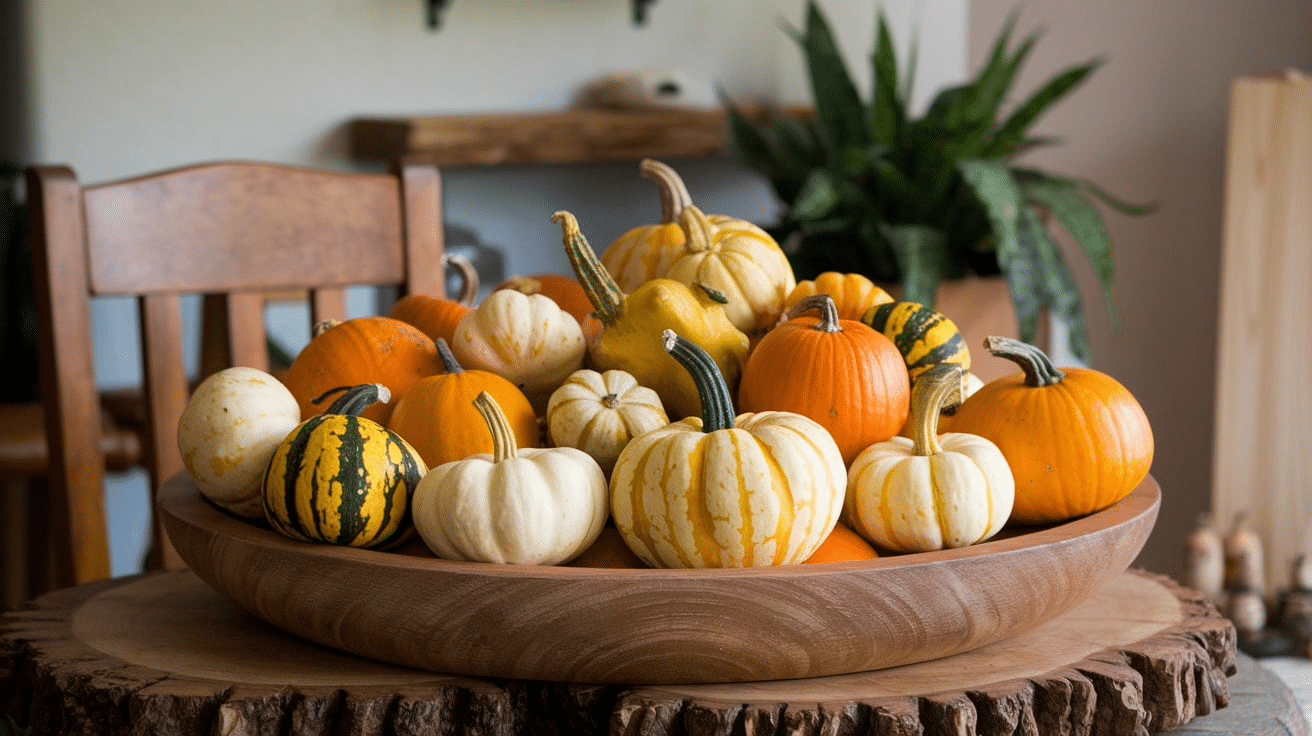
(725, 491)
(599, 413)
(525, 338)
(934, 491)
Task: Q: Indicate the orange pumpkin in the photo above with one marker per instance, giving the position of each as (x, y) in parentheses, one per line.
(841, 373)
(1077, 440)
(565, 291)
(357, 351)
(842, 545)
(438, 316)
(437, 415)
(852, 293)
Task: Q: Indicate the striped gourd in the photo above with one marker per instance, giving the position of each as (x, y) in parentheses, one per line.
(343, 479)
(925, 337)
(724, 491)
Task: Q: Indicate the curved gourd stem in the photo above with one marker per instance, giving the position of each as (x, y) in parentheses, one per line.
(503, 438)
(697, 230)
(933, 389)
(468, 277)
(1038, 367)
(717, 402)
(598, 284)
(823, 303)
(448, 358)
(354, 399)
(674, 194)
(323, 326)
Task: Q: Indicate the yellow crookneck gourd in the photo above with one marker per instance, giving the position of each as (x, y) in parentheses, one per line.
(632, 324)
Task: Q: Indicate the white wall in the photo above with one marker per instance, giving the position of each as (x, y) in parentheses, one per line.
(120, 87)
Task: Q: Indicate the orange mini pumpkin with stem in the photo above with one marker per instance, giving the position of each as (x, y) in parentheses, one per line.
(841, 373)
(852, 293)
(1077, 440)
(359, 351)
(438, 316)
(437, 415)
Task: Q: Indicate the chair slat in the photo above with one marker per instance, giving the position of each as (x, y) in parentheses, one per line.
(166, 397)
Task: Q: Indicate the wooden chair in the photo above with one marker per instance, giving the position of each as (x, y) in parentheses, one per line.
(232, 231)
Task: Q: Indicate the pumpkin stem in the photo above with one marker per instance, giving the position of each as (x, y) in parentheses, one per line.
(697, 229)
(828, 311)
(941, 385)
(598, 284)
(674, 194)
(712, 293)
(354, 399)
(717, 402)
(468, 277)
(503, 438)
(323, 326)
(449, 362)
(1038, 367)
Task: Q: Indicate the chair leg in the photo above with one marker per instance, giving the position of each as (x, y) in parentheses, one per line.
(14, 493)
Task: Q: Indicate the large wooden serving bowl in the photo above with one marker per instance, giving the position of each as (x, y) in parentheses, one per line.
(656, 626)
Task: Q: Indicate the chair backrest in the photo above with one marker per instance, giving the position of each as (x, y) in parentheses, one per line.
(233, 231)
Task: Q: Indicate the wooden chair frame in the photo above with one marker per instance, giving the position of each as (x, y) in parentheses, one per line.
(230, 230)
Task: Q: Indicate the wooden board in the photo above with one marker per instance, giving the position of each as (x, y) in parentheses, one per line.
(1263, 430)
(567, 136)
(163, 653)
(645, 625)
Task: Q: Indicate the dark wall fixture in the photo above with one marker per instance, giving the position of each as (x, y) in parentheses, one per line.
(435, 9)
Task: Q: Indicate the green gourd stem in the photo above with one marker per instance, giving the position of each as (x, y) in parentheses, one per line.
(598, 284)
(674, 193)
(449, 362)
(354, 399)
(697, 230)
(717, 402)
(933, 389)
(1038, 367)
(503, 438)
(828, 311)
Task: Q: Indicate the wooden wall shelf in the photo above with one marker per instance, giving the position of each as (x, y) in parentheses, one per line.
(571, 136)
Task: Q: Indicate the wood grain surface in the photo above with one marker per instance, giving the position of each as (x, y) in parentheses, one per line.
(653, 626)
(163, 653)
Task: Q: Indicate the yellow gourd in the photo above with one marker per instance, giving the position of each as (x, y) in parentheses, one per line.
(632, 324)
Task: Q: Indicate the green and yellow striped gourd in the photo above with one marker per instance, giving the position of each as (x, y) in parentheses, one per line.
(925, 338)
(341, 478)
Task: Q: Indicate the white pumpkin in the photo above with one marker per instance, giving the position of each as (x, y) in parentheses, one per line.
(599, 413)
(526, 507)
(526, 338)
(935, 491)
(228, 432)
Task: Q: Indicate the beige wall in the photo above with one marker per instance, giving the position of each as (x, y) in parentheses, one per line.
(1151, 125)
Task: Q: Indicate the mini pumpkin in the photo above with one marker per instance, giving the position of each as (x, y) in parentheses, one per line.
(932, 492)
(438, 316)
(725, 491)
(360, 351)
(227, 434)
(526, 338)
(923, 336)
(646, 252)
(342, 479)
(1077, 440)
(534, 506)
(853, 293)
(437, 413)
(599, 413)
(843, 374)
(565, 291)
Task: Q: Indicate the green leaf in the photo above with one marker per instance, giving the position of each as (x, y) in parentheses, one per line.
(993, 184)
(888, 115)
(991, 85)
(1117, 204)
(1056, 284)
(838, 106)
(1083, 221)
(817, 199)
(922, 254)
(1014, 129)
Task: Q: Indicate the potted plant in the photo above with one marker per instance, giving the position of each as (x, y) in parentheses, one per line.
(869, 188)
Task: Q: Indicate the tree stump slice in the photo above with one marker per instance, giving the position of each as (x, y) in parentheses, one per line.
(164, 654)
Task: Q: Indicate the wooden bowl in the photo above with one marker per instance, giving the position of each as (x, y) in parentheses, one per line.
(656, 626)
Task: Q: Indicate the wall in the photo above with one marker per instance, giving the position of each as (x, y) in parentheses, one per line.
(118, 88)
(1151, 124)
